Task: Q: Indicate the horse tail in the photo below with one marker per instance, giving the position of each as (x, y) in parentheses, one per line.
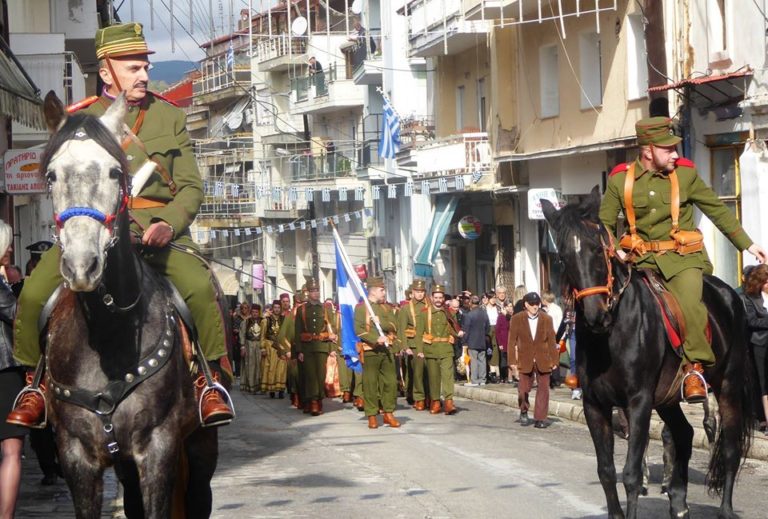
(737, 424)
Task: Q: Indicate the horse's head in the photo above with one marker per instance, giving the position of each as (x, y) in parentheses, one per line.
(85, 168)
(584, 246)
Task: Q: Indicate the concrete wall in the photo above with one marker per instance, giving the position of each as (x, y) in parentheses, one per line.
(575, 126)
(453, 71)
(30, 16)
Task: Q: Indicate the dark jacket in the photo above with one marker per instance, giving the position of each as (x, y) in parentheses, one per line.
(757, 320)
(7, 311)
(502, 331)
(476, 327)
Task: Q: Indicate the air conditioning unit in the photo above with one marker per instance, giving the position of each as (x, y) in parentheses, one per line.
(386, 259)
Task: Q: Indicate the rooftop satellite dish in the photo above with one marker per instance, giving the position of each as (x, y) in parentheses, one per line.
(299, 26)
(357, 7)
(235, 120)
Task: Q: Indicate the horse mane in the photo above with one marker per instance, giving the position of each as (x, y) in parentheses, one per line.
(93, 129)
(571, 218)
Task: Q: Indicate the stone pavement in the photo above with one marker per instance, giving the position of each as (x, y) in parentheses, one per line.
(561, 406)
(36, 500)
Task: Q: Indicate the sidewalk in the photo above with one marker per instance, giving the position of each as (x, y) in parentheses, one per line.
(561, 406)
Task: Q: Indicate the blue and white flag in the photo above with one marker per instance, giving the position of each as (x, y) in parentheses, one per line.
(230, 56)
(389, 144)
(350, 291)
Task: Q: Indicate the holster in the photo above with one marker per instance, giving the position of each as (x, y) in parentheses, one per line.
(688, 241)
(427, 338)
(633, 243)
(410, 333)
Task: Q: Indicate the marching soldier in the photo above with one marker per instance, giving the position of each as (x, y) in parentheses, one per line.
(314, 344)
(377, 353)
(657, 194)
(411, 327)
(440, 332)
(162, 213)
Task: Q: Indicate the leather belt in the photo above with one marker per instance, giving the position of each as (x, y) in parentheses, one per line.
(139, 202)
(441, 339)
(660, 245)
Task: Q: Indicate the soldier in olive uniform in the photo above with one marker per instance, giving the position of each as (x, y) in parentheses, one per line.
(652, 243)
(287, 344)
(378, 354)
(410, 329)
(315, 342)
(162, 213)
(440, 332)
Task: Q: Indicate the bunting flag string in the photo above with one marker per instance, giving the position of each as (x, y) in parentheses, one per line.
(282, 228)
(231, 192)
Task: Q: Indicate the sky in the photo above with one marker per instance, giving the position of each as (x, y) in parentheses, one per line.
(159, 38)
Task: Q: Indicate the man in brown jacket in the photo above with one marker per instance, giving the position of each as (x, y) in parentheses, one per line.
(531, 349)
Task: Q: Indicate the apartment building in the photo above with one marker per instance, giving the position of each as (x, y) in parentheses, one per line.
(53, 41)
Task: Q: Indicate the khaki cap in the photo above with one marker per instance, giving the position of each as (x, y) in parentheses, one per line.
(125, 39)
(438, 289)
(418, 284)
(656, 130)
(375, 282)
(312, 284)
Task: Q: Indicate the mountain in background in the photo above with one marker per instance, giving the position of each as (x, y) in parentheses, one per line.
(169, 72)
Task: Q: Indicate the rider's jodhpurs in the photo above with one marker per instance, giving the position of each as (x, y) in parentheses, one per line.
(189, 274)
(687, 286)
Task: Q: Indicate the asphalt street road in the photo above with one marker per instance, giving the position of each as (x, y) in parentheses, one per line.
(277, 462)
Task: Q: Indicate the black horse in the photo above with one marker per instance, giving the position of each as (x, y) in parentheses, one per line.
(625, 360)
(121, 390)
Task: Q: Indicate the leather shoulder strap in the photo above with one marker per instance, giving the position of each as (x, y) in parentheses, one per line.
(629, 208)
(674, 186)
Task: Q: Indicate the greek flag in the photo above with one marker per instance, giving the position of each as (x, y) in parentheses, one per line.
(389, 144)
(350, 291)
(230, 56)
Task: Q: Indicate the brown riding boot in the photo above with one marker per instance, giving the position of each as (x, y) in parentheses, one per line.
(419, 405)
(346, 397)
(214, 410)
(373, 422)
(449, 407)
(435, 407)
(306, 407)
(390, 420)
(694, 388)
(30, 406)
(295, 400)
(359, 403)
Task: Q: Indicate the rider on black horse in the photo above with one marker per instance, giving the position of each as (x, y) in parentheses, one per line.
(161, 214)
(657, 193)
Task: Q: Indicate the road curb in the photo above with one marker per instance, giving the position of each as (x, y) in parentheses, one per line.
(575, 413)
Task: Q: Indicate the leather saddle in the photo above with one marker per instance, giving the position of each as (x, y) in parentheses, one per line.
(671, 313)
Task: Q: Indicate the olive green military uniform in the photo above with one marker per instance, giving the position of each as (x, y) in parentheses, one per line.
(165, 137)
(410, 331)
(682, 274)
(287, 344)
(378, 360)
(313, 343)
(439, 354)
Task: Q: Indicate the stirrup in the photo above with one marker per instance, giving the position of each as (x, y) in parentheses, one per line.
(690, 373)
(26, 390)
(215, 387)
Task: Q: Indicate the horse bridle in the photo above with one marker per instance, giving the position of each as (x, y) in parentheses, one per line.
(609, 252)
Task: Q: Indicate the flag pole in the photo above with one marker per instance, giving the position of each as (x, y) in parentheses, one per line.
(354, 278)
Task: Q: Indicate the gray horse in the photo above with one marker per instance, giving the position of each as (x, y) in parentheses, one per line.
(122, 393)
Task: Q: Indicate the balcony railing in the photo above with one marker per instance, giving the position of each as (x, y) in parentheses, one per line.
(280, 45)
(221, 79)
(318, 83)
(438, 27)
(461, 154)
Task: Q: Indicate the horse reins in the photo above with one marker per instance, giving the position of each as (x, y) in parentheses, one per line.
(609, 252)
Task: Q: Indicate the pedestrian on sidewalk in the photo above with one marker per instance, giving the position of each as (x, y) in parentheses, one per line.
(502, 338)
(755, 298)
(11, 382)
(476, 329)
(532, 351)
(250, 351)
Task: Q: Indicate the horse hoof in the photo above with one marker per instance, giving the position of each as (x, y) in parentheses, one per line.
(644, 491)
